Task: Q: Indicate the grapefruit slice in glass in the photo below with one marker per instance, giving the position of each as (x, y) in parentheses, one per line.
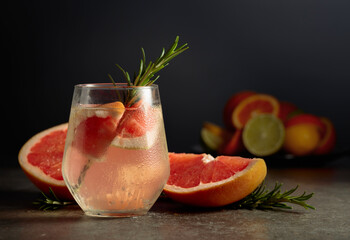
(202, 180)
(252, 106)
(96, 127)
(41, 160)
(139, 127)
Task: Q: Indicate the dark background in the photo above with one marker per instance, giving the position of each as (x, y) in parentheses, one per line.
(295, 50)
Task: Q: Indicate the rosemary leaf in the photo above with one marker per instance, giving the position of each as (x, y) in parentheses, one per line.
(145, 76)
(50, 202)
(264, 199)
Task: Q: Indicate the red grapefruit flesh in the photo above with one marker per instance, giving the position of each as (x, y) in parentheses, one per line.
(201, 180)
(231, 104)
(136, 121)
(95, 134)
(139, 126)
(252, 106)
(328, 140)
(41, 160)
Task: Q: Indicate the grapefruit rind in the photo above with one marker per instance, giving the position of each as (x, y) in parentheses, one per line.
(223, 192)
(243, 105)
(35, 174)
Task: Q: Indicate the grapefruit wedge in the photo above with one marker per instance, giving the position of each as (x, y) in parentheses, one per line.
(41, 160)
(202, 180)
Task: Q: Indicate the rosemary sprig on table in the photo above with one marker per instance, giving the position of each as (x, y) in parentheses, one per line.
(264, 199)
(145, 76)
(51, 202)
(260, 198)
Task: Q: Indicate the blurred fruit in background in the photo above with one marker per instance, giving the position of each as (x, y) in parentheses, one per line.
(263, 135)
(263, 125)
(328, 139)
(213, 136)
(253, 106)
(232, 145)
(286, 111)
(231, 104)
(301, 139)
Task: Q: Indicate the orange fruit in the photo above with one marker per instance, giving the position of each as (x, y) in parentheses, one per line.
(202, 180)
(231, 104)
(328, 140)
(252, 106)
(41, 160)
(301, 139)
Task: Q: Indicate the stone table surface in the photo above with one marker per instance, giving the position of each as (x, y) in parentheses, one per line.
(19, 218)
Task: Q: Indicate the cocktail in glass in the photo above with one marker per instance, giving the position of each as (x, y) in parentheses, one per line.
(116, 158)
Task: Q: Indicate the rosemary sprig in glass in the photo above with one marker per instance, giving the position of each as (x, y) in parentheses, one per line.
(145, 76)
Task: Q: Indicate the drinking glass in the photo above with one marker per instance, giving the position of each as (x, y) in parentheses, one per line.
(116, 158)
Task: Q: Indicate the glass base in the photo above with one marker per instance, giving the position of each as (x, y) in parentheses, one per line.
(115, 213)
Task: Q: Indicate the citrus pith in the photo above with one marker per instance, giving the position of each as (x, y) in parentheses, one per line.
(202, 180)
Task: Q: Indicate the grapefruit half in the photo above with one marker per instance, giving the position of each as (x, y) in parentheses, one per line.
(41, 160)
(202, 180)
(252, 106)
(231, 104)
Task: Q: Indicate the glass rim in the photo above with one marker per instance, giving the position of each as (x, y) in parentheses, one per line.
(123, 86)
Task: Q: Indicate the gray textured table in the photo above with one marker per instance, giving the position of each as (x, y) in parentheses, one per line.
(19, 219)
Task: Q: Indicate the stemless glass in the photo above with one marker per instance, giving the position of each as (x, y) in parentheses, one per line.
(116, 157)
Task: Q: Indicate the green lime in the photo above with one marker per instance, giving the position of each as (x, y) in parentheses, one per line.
(263, 135)
(211, 140)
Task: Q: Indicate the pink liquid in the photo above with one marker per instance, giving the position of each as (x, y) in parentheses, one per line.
(121, 181)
